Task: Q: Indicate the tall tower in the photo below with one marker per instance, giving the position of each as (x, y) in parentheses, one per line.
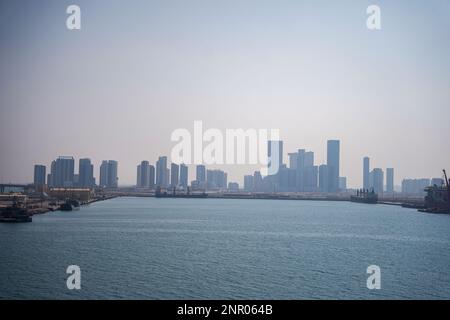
(333, 151)
(390, 180)
(366, 172)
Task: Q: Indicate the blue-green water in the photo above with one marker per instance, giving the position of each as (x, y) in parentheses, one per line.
(242, 249)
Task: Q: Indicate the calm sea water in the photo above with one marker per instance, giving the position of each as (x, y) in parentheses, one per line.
(148, 248)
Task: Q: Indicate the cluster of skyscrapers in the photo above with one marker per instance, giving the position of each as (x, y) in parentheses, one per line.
(62, 174)
(374, 179)
(149, 176)
(302, 175)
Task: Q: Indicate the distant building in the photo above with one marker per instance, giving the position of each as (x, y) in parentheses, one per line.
(389, 180)
(293, 160)
(174, 175)
(300, 170)
(143, 176)
(415, 186)
(162, 176)
(248, 183)
(216, 179)
(183, 175)
(86, 173)
(39, 175)
(323, 178)
(62, 172)
(342, 183)
(377, 178)
(366, 173)
(333, 154)
(257, 182)
(201, 173)
(233, 186)
(108, 174)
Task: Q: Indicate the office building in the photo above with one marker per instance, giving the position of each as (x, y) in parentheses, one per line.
(183, 175)
(86, 173)
(366, 173)
(108, 174)
(275, 155)
(201, 173)
(39, 175)
(174, 175)
(62, 172)
(162, 176)
(377, 180)
(333, 151)
(323, 178)
(389, 180)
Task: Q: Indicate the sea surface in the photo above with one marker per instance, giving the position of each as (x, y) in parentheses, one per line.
(147, 248)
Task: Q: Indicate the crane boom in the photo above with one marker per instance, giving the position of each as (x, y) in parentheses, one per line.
(446, 179)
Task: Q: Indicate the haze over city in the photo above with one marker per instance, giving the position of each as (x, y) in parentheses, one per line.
(117, 88)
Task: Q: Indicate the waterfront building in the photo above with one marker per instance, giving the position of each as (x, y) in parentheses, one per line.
(216, 179)
(390, 180)
(86, 173)
(323, 178)
(333, 153)
(233, 186)
(174, 175)
(342, 183)
(248, 183)
(201, 173)
(415, 186)
(62, 172)
(183, 175)
(377, 178)
(161, 172)
(39, 175)
(108, 174)
(366, 173)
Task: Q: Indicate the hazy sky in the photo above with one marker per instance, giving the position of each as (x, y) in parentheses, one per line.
(140, 69)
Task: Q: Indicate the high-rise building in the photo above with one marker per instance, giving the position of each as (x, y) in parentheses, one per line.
(174, 174)
(293, 160)
(366, 173)
(108, 174)
(415, 186)
(143, 175)
(275, 154)
(342, 183)
(323, 178)
(248, 183)
(161, 172)
(39, 175)
(86, 173)
(62, 172)
(300, 170)
(151, 176)
(216, 179)
(201, 173)
(333, 151)
(389, 180)
(377, 180)
(183, 175)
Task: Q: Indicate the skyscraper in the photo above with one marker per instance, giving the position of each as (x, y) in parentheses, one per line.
(300, 170)
(275, 154)
(151, 176)
(85, 173)
(161, 172)
(377, 180)
(323, 178)
(143, 175)
(183, 175)
(333, 151)
(108, 174)
(174, 174)
(201, 173)
(390, 180)
(366, 172)
(62, 172)
(293, 160)
(39, 175)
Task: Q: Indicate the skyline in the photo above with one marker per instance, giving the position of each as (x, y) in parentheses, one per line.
(117, 88)
(161, 174)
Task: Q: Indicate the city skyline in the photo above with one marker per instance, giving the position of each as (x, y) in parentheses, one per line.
(121, 92)
(298, 173)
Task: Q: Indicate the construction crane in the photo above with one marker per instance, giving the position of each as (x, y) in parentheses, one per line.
(446, 184)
